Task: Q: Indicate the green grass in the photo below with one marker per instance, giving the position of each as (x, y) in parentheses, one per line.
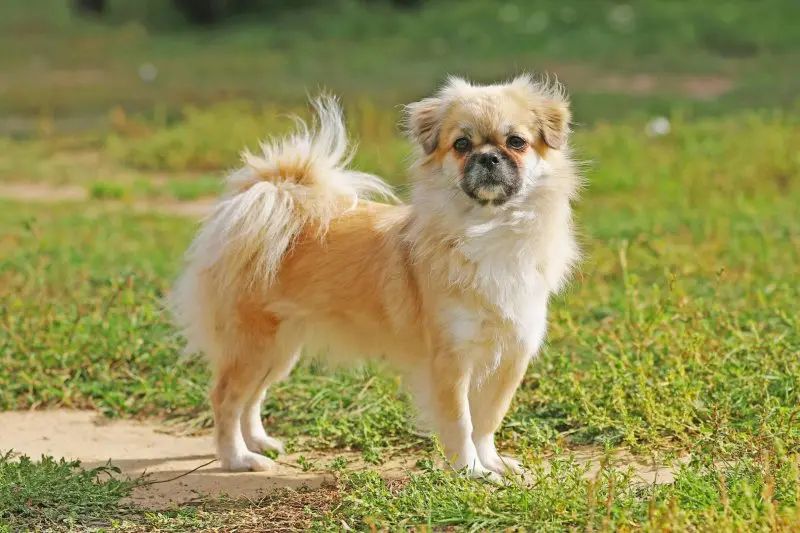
(51, 493)
(107, 191)
(58, 67)
(680, 334)
(747, 496)
(683, 291)
(761, 494)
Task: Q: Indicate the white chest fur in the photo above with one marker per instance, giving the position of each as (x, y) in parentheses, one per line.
(499, 267)
(498, 303)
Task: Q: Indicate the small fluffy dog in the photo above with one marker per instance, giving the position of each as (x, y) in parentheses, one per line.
(451, 290)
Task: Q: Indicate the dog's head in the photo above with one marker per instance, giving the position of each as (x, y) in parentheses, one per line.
(489, 141)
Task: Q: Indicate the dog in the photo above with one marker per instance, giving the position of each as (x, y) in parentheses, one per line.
(451, 289)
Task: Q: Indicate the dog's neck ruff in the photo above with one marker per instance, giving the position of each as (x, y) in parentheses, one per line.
(524, 243)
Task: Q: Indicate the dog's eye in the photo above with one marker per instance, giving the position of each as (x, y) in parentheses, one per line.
(516, 142)
(462, 145)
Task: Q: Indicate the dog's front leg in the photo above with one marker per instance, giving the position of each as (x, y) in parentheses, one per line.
(489, 401)
(450, 380)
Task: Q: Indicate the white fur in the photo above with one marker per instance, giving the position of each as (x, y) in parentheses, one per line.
(521, 251)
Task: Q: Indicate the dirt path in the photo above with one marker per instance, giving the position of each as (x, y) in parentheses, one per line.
(44, 193)
(138, 447)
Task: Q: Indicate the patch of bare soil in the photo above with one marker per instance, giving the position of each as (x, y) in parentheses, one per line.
(185, 466)
(697, 87)
(146, 448)
(40, 74)
(42, 192)
(588, 78)
(73, 78)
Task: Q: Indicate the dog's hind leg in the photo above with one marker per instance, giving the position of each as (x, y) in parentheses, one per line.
(282, 360)
(237, 378)
(261, 350)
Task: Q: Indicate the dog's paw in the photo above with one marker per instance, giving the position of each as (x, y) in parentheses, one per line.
(484, 474)
(249, 462)
(476, 470)
(264, 443)
(503, 465)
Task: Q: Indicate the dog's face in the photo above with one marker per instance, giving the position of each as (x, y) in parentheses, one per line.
(488, 142)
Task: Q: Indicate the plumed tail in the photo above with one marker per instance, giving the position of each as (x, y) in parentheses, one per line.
(298, 183)
(312, 163)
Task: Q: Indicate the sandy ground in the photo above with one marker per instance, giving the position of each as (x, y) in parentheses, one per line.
(147, 448)
(44, 193)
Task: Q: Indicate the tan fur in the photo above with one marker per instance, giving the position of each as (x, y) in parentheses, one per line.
(450, 293)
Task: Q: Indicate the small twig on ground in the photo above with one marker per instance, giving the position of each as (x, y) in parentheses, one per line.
(192, 471)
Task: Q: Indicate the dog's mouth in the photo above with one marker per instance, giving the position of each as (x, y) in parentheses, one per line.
(490, 178)
(490, 194)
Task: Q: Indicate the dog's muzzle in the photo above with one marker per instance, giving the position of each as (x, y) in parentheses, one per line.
(490, 178)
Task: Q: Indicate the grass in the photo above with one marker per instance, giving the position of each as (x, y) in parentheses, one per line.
(760, 494)
(680, 334)
(748, 496)
(53, 493)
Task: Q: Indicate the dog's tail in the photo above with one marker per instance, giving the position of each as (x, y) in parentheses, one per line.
(298, 183)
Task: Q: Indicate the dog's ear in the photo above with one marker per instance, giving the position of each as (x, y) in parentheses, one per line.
(554, 116)
(424, 122)
(550, 107)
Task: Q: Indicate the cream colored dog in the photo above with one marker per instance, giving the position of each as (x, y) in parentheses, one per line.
(451, 290)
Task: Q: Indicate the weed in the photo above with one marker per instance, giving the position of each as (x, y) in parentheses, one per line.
(57, 493)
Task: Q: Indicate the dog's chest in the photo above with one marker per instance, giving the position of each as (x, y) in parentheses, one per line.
(498, 303)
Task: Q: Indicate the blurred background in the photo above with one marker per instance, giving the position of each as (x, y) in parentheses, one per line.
(122, 89)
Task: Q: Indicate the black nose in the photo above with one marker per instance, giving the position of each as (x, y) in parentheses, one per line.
(488, 160)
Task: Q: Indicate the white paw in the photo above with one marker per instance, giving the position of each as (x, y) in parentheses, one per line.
(487, 453)
(478, 471)
(474, 469)
(502, 465)
(264, 443)
(247, 462)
